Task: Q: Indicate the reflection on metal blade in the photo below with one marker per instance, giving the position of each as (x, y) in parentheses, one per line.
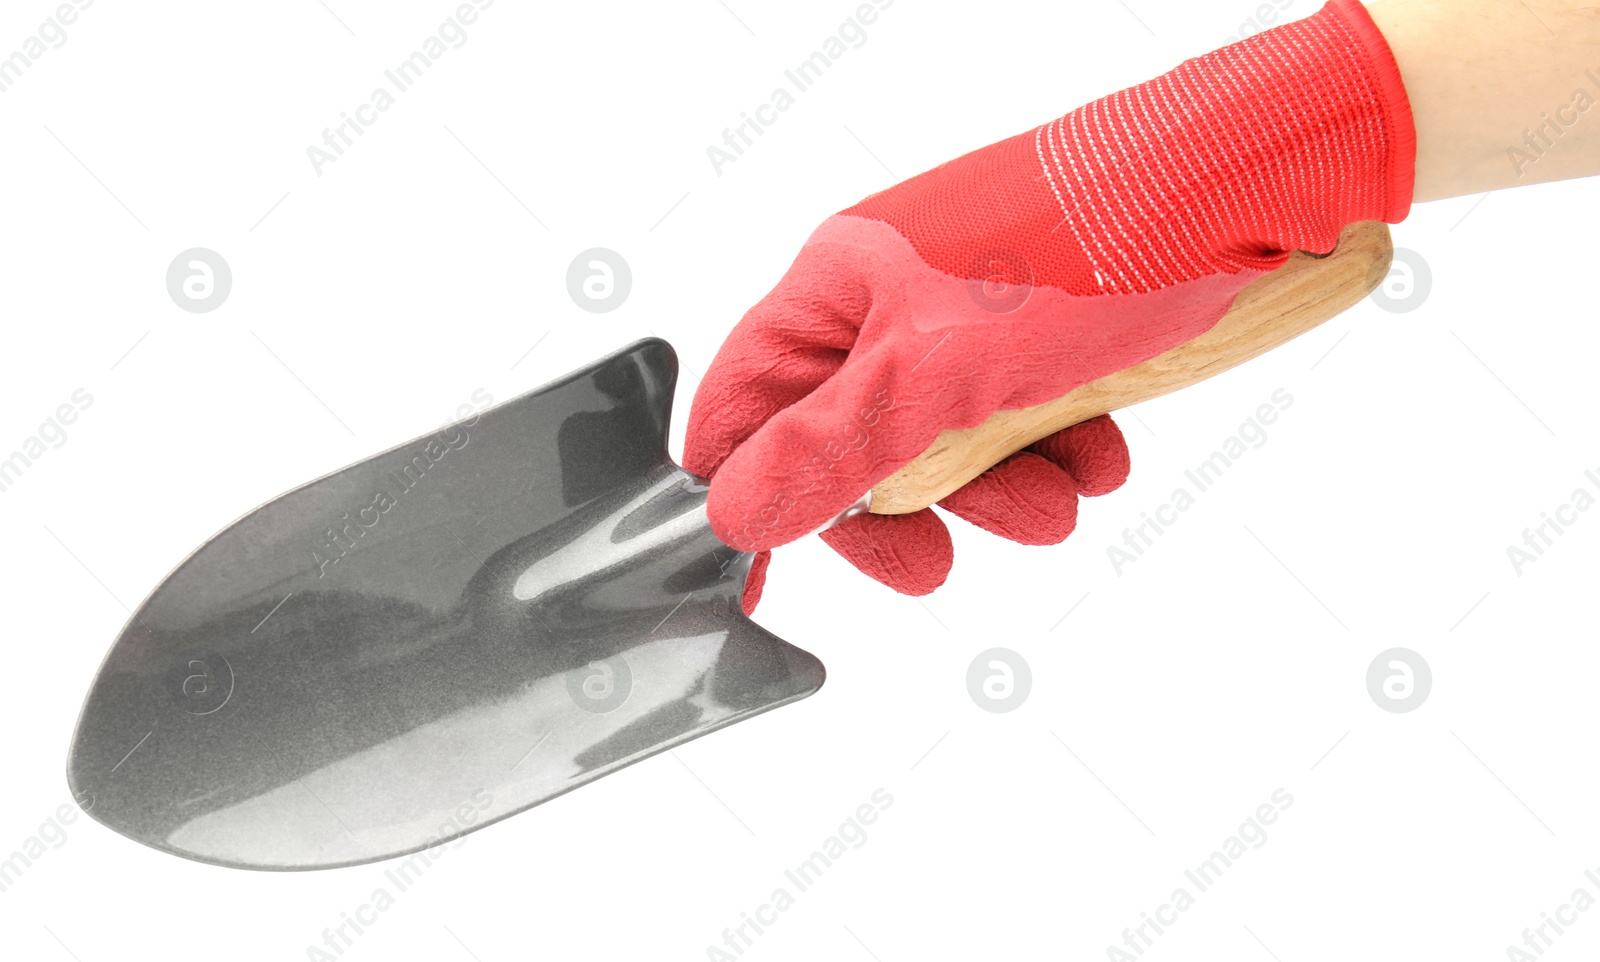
(433, 639)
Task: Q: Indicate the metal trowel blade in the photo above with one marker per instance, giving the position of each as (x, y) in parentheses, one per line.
(432, 639)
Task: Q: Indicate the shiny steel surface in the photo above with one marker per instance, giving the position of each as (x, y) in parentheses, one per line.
(433, 639)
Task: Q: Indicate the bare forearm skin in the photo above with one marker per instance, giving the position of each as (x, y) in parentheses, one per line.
(1504, 92)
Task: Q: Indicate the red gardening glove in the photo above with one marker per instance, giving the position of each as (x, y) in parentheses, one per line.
(1012, 275)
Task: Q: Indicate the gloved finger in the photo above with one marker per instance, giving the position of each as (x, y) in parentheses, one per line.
(754, 581)
(1026, 498)
(1094, 453)
(882, 407)
(790, 342)
(816, 457)
(910, 553)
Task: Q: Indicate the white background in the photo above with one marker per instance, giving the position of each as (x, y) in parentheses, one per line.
(1223, 665)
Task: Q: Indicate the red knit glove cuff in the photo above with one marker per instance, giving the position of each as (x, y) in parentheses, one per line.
(1224, 164)
(1401, 141)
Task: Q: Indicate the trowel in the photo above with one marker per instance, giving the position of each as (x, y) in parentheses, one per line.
(481, 619)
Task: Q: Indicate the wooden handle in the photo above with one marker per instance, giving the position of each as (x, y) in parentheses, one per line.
(1304, 292)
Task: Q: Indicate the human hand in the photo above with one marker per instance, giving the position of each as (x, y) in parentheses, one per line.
(1014, 274)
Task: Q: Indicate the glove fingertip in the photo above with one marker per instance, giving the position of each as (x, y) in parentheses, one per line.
(911, 553)
(745, 519)
(1094, 452)
(1025, 498)
(755, 581)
